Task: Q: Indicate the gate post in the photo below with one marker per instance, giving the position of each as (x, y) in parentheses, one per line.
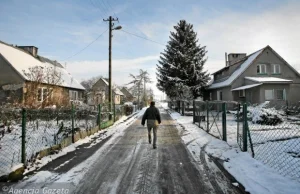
(194, 111)
(245, 125)
(99, 116)
(73, 118)
(23, 148)
(207, 116)
(114, 106)
(224, 121)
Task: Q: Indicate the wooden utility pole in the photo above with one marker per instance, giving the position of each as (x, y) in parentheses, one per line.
(111, 24)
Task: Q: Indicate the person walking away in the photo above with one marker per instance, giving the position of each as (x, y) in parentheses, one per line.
(152, 116)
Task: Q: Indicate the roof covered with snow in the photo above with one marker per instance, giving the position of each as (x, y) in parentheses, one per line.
(246, 87)
(248, 61)
(268, 79)
(23, 61)
(105, 81)
(118, 92)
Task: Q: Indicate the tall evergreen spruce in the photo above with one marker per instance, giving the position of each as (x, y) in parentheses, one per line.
(180, 71)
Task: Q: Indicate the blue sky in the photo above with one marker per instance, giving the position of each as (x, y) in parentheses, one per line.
(61, 28)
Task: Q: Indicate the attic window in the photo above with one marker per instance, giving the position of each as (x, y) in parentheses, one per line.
(261, 69)
(276, 69)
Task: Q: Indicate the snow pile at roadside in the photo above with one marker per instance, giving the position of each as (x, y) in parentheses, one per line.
(252, 174)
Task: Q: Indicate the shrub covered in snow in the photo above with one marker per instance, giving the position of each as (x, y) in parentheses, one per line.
(261, 114)
(264, 116)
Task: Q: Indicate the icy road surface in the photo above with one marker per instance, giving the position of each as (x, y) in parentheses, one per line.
(131, 165)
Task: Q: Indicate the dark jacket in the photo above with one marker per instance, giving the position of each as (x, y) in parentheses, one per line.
(152, 113)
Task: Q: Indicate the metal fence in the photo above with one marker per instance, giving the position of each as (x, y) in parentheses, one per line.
(25, 132)
(212, 117)
(182, 107)
(270, 133)
(275, 133)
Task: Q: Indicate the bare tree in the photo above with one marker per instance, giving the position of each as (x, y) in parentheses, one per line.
(139, 84)
(88, 83)
(146, 79)
(43, 88)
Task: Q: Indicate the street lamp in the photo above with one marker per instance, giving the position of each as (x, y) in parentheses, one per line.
(118, 28)
(109, 62)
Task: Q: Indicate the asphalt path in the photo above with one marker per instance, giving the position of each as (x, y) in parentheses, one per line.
(131, 165)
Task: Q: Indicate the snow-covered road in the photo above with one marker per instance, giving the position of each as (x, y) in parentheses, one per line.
(132, 166)
(127, 163)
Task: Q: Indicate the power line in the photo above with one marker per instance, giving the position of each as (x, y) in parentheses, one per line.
(85, 47)
(104, 6)
(111, 8)
(97, 7)
(154, 41)
(142, 37)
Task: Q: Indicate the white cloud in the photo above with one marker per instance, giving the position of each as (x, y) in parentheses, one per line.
(248, 32)
(121, 68)
(233, 31)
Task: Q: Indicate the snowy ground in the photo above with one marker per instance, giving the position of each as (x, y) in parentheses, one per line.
(72, 177)
(277, 146)
(39, 135)
(251, 173)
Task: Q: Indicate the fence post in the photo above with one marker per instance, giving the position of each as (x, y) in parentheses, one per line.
(99, 116)
(194, 103)
(207, 116)
(114, 112)
(23, 148)
(183, 107)
(224, 121)
(245, 125)
(238, 123)
(73, 115)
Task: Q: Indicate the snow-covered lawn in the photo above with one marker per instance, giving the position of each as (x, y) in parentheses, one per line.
(39, 136)
(277, 146)
(253, 174)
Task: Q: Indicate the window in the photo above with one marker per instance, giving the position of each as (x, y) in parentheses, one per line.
(269, 95)
(241, 93)
(40, 94)
(73, 95)
(43, 94)
(261, 69)
(280, 94)
(276, 69)
(219, 95)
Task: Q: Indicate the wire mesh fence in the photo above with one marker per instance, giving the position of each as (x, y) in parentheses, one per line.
(214, 117)
(25, 132)
(270, 131)
(182, 107)
(275, 133)
(10, 139)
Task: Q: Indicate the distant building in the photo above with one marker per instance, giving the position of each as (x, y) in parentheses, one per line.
(128, 97)
(99, 93)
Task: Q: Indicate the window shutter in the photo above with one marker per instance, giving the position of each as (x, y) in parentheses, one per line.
(284, 94)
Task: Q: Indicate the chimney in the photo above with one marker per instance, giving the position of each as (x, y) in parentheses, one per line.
(226, 62)
(31, 49)
(234, 57)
